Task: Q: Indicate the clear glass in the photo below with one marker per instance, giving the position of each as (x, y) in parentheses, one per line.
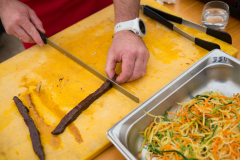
(215, 15)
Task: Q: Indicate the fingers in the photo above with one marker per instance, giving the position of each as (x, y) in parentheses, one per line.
(132, 52)
(22, 35)
(128, 64)
(137, 71)
(110, 66)
(21, 21)
(36, 21)
(32, 31)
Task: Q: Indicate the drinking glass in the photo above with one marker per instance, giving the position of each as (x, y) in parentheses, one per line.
(215, 15)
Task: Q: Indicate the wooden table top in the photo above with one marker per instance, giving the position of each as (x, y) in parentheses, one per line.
(183, 8)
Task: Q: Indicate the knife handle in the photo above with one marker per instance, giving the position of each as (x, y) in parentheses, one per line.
(166, 15)
(206, 45)
(224, 36)
(43, 36)
(148, 12)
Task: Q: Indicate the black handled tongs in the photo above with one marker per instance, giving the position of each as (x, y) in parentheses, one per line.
(163, 17)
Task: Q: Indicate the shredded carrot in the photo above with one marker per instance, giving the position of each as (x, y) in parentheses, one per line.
(139, 154)
(236, 97)
(234, 150)
(229, 133)
(225, 149)
(215, 152)
(203, 125)
(154, 155)
(176, 156)
(178, 114)
(224, 142)
(188, 120)
(183, 120)
(170, 125)
(176, 128)
(150, 128)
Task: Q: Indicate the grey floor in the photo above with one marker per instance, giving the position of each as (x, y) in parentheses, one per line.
(9, 46)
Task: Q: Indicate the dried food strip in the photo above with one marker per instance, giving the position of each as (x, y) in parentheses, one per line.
(76, 111)
(34, 134)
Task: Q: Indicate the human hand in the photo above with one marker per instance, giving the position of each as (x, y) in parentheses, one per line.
(129, 49)
(21, 21)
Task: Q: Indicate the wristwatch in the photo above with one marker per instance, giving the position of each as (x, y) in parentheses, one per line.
(136, 25)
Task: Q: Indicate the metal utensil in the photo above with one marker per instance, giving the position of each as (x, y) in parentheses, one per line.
(224, 36)
(154, 15)
(87, 67)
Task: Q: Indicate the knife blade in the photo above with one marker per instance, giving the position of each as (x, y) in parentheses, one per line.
(87, 67)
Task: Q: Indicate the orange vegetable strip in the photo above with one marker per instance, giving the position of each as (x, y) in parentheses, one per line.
(215, 152)
(154, 155)
(203, 125)
(150, 128)
(176, 156)
(236, 97)
(183, 120)
(225, 149)
(178, 130)
(141, 132)
(188, 120)
(139, 154)
(227, 133)
(232, 146)
(178, 114)
(170, 125)
(205, 105)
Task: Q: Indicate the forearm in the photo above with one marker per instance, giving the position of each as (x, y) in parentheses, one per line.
(126, 10)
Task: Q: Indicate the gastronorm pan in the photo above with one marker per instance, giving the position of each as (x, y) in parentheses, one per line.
(215, 71)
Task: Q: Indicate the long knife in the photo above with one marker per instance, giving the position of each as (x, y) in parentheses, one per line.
(202, 43)
(224, 36)
(87, 67)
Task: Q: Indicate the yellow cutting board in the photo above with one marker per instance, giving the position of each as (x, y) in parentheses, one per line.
(64, 84)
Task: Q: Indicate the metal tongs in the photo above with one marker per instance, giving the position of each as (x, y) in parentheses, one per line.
(163, 17)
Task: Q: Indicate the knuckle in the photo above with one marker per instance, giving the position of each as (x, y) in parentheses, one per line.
(19, 19)
(10, 26)
(130, 50)
(30, 31)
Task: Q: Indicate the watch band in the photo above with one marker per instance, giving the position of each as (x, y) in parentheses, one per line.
(127, 25)
(134, 25)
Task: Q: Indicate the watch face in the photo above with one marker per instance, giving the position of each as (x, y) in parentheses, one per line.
(142, 27)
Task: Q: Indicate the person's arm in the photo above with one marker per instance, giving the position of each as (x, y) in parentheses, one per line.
(21, 21)
(127, 47)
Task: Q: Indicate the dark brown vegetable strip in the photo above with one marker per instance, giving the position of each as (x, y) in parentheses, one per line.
(76, 111)
(34, 134)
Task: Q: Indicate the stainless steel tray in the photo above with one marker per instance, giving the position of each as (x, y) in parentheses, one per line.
(215, 71)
